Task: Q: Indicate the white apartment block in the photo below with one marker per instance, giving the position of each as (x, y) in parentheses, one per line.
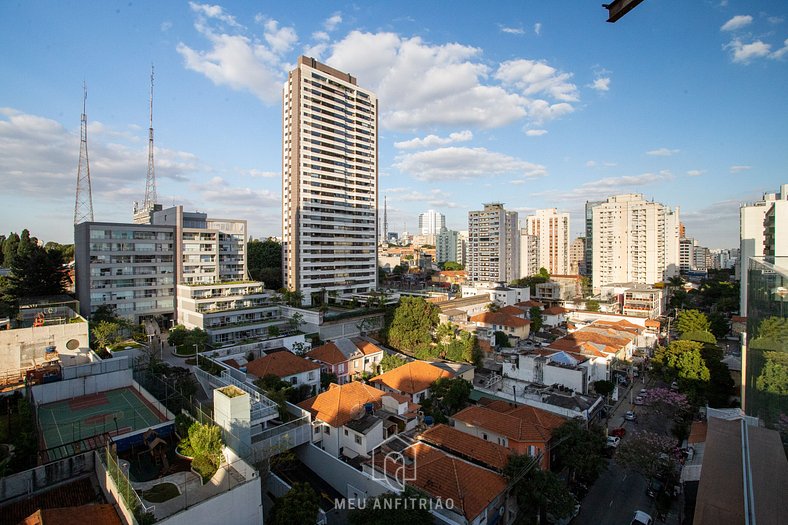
(129, 267)
(330, 182)
(686, 254)
(529, 254)
(763, 231)
(446, 246)
(552, 229)
(634, 240)
(493, 245)
(431, 222)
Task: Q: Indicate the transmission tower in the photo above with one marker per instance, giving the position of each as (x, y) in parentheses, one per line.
(83, 207)
(150, 182)
(385, 221)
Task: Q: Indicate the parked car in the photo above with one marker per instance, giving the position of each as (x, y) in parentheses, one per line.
(639, 400)
(618, 432)
(613, 441)
(674, 385)
(630, 416)
(655, 487)
(641, 518)
(643, 392)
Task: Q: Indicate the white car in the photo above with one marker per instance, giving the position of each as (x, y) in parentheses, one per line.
(641, 518)
(630, 416)
(639, 400)
(613, 441)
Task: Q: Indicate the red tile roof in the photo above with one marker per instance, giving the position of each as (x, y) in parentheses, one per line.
(512, 310)
(466, 445)
(366, 347)
(412, 377)
(556, 310)
(233, 363)
(472, 488)
(327, 353)
(500, 319)
(530, 304)
(522, 423)
(652, 322)
(280, 364)
(342, 403)
(100, 514)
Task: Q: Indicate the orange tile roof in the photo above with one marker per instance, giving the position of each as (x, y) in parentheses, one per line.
(366, 347)
(556, 310)
(467, 445)
(341, 403)
(530, 303)
(233, 363)
(621, 324)
(472, 488)
(99, 514)
(412, 377)
(652, 322)
(280, 364)
(500, 319)
(327, 353)
(511, 310)
(520, 423)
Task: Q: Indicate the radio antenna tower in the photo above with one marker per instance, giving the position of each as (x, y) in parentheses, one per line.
(150, 182)
(385, 221)
(83, 207)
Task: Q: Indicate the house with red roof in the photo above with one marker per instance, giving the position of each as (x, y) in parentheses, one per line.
(412, 379)
(520, 428)
(348, 358)
(511, 325)
(288, 367)
(545, 366)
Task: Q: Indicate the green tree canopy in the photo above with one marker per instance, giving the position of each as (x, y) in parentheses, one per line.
(692, 321)
(105, 333)
(35, 272)
(535, 314)
(383, 510)
(592, 305)
(580, 450)
(264, 259)
(390, 362)
(451, 266)
(682, 359)
(603, 387)
(412, 324)
(538, 492)
(299, 505)
(698, 336)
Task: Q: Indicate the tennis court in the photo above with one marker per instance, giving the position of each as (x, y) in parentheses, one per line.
(115, 412)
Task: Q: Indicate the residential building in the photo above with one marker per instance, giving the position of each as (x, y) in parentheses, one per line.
(493, 245)
(497, 292)
(686, 254)
(288, 367)
(446, 246)
(559, 289)
(554, 316)
(520, 428)
(577, 256)
(589, 223)
(701, 258)
(467, 446)
(330, 182)
(431, 222)
(412, 379)
(549, 367)
(348, 359)
(552, 230)
(634, 240)
(512, 326)
(462, 248)
(529, 254)
(642, 301)
(753, 232)
(130, 268)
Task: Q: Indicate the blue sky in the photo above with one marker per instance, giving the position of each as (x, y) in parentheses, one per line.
(534, 104)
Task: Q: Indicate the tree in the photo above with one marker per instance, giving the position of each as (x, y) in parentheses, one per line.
(535, 314)
(451, 266)
(648, 453)
(592, 305)
(35, 272)
(449, 396)
(719, 325)
(604, 387)
(296, 320)
(698, 336)
(185, 339)
(668, 403)
(390, 362)
(683, 360)
(10, 246)
(538, 492)
(578, 449)
(299, 505)
(412, 324)
(264, 259)
(394, 509)
(327, 379)
(104, 334)
(501, 339)
(692, 321)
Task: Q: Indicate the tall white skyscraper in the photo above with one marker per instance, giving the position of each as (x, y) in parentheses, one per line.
(763, 231)
(493, 245)
(431, 222)
(329, 183)
(634, 241)
(552, 229)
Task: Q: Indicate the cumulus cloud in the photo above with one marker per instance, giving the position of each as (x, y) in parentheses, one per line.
(456, 163)
(602, 188)
(662, 152)
(716, 225)
(434, 197)
(742, 53)
(779, 53)
(737, 22)
(695, 173)
(740, 168)
(535, 132)
(215, 12)
(538, 28)
(532, 77)
(433, 140)
(262, 174)
(601, 84)
(332, 22)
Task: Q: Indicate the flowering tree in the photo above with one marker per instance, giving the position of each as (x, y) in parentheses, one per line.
(666, 402)
(648, 453)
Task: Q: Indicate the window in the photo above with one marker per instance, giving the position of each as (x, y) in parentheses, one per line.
(355, 363)
(311, 375)
(317, 429)
(327, 430)
(484, 436)
(358, 439)
(346, 433)
(293, 380)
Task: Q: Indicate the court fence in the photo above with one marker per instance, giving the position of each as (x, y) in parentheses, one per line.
(113, 480)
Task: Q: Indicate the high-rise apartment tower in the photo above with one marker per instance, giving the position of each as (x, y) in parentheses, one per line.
(552, 229)
(493, 245)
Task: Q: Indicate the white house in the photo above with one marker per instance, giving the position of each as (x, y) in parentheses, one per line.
(288, 367)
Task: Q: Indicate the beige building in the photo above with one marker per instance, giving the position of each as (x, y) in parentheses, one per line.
(493, 244)
(552, 230)
(330, 182)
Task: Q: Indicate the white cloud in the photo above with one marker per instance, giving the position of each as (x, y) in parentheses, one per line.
(779, 53)
(739, 168)
(513, 30)
(662, 152)
(218, 190)
(538, 28)
(776, 20)
(737, 22)
(455, 163)
(215, 12)
(533, 77)
(434, 197)
(434, 140)
(332, 22)
(591, 164)
(601, 84)
(695, 173)
(262, 174)
(281, 39)
(536, 132)
(165, 26)
(742, 53)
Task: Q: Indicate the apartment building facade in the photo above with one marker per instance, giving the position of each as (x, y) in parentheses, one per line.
(634, 240)
(330, 182)
(493, 244)
(431, 222)
(552, 230)
(529, 253)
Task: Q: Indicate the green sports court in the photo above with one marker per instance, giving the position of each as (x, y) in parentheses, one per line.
(68, 426)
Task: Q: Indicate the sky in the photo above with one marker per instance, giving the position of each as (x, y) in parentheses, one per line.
(532, 104)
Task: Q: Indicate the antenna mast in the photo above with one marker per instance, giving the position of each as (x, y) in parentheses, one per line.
(83, 207)
(150, 182)
(385, 220)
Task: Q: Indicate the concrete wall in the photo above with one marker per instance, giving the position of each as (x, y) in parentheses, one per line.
(339, 474)
(370, 440)
(24, 347)
(81, 386)
(351, 327)
(29, 481)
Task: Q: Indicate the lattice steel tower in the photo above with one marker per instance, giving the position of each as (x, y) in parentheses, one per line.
(83, 207)
(150, 182)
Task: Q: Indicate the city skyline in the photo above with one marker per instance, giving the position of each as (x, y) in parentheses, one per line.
(533, 107)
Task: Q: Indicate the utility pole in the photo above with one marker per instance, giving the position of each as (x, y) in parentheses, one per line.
(83, 206)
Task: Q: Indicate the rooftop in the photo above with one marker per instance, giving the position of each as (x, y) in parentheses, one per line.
(502, 319)
(280, 364)
(341, 404)
(518, 422)
(412, 377)
(467, 446)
